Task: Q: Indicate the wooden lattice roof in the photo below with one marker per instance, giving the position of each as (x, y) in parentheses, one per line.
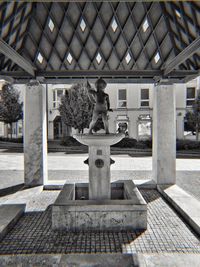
(138, 40)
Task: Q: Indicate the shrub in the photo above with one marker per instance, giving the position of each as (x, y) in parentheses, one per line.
(187, 144)
(13, 140)
(144, 144)
(147, 143)
(126, 143)
(140, 145)
(70, 141)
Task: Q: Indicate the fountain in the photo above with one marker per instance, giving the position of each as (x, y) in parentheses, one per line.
(99, 204)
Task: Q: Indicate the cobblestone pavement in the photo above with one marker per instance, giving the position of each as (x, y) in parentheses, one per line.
(166, 233)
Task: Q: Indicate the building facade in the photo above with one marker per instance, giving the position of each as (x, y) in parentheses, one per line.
(132, 106)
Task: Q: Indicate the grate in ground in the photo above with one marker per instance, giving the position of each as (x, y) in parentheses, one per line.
(166, 233)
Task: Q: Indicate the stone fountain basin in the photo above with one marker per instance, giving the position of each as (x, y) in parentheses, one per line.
(126, 210)
(99, 139)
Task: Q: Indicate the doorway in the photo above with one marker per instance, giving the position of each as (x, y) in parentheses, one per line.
(57, 128)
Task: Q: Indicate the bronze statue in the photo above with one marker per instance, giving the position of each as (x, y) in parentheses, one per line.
(102, 105)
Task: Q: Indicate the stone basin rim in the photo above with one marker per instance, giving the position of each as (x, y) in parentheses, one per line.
(100, 139)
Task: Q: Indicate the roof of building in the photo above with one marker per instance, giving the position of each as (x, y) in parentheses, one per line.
(119, 40)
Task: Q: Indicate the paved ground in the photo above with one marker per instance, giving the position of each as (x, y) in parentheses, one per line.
(71, 168)
(166, 232)
(32, 234)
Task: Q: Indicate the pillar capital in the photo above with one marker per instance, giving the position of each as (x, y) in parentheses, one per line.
(162, 81)
(33, 82)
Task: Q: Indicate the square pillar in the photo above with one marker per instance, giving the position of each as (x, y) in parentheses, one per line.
(99, 172)
(164, 134)
(35, 134)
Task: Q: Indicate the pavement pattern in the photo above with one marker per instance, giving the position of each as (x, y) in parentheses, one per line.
(33, 234)
(70, 168)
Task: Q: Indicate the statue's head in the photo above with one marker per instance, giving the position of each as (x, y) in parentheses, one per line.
(100, 84)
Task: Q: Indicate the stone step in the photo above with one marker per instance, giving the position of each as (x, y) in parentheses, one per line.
(169, 260)
(184, 203)
(9, 215)
(79, 260)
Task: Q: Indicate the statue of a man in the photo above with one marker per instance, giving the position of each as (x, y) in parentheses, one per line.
(102, 105)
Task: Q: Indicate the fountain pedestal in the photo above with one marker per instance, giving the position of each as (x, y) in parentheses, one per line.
(99, 205)
(99, 163)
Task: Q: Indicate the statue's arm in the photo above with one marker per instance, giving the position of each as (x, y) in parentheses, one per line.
(92, 91)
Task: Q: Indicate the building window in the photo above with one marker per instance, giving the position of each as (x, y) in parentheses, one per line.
(57, 95)
(122, 122)
(144, 98)
(144, 126)
(57, 123)
(122, 127)
(190, 96)
(122, 101)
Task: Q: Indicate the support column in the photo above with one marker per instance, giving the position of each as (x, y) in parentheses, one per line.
(35, 134)
(164, 134)
(99, 172)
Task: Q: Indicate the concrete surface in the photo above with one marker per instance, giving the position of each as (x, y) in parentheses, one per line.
(74, 260)
(70, 168)
(9, 214)
(164, 134)
(103, 260)
(166, 231)
(184, 203)
(169, 260)
(35, 134)
(128, 213)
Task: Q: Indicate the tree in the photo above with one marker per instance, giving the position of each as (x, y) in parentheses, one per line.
(77, 106)
(10, 106)
(193, 117)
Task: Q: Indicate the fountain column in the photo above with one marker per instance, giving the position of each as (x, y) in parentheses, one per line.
(99, 163)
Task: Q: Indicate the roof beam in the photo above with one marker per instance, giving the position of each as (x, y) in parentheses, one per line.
(81, 74)
(181, 57)
(10, 53)
(97, 73)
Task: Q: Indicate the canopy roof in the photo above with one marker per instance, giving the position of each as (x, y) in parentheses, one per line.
(137, 41)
